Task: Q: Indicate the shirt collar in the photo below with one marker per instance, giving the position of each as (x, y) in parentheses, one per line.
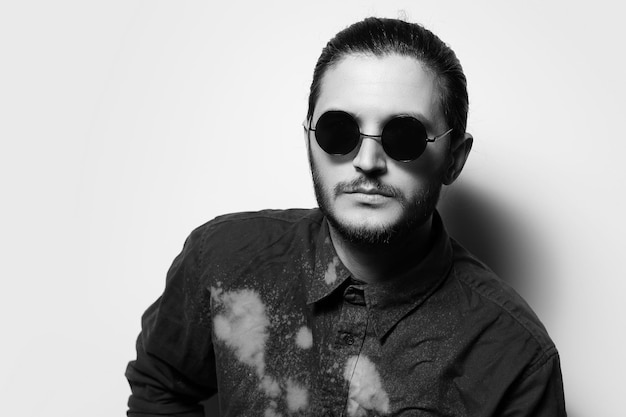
(388, 302)
(328, 272)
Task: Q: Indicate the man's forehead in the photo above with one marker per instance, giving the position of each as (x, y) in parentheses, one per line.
(394, 84)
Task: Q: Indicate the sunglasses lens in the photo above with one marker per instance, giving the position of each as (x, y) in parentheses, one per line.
(337, 132)
(404, 138)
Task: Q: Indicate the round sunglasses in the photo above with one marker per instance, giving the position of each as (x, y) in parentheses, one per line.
(403, 138)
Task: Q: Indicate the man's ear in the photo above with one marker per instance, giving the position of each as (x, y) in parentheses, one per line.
(458, 155)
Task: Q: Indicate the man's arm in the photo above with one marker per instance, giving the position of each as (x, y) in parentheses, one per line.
(539, 393)
(175, 365)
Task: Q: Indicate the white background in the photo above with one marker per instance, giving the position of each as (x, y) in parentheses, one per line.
(125, 124)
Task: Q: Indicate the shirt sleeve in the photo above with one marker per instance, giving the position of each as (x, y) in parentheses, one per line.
(175, 366)
(538, 394)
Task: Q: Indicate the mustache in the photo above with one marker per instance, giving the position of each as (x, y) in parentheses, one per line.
(367, 183)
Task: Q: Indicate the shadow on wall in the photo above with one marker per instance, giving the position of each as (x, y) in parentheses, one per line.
(498, 236)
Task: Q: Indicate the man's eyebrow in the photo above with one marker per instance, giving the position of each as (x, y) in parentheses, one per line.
(419, 116)
(428, 123)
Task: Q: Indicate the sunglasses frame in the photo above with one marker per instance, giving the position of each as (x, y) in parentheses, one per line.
(362, 135)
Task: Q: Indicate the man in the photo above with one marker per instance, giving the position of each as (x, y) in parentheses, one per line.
(364, 307)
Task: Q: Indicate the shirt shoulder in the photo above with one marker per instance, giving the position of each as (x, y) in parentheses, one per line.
(237, 236)
(486, 295)
(265, 224)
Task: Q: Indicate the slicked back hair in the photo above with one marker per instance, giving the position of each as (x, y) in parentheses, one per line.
(381, 37)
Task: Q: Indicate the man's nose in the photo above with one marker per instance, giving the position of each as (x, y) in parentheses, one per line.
(371, 157)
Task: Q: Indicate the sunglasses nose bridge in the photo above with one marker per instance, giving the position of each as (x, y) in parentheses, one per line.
(375, 138)
(370, 156)
(365, 135)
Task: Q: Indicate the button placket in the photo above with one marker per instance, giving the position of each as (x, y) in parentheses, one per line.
(353, 321)
(349, 336)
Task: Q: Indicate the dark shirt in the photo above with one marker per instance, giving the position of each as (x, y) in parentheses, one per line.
(259, 310)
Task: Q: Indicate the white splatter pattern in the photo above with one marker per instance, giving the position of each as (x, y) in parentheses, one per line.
(297, 396)
(270, 387)
(330, 276)
(366, 389)
(243, 327)
(304, 338)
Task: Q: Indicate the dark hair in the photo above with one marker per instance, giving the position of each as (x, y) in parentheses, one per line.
(382, 37)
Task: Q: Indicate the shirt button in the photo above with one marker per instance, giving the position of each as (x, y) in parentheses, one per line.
(348, 339)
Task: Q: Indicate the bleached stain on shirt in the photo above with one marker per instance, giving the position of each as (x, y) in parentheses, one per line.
(330, 276)
(304, 338)
(366, 390)
(243, 327)
(297, 396)
(270, 387)
(271, 411)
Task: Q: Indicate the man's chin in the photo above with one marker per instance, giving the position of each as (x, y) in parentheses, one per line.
(368, 233)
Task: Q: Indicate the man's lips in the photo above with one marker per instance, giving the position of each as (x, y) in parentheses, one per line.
(368, 191)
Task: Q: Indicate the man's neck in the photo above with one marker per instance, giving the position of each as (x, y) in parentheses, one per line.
(384, 262)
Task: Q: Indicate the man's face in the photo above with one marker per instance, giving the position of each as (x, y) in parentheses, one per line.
(367, 196)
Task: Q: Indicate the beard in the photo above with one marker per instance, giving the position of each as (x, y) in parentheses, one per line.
(415, 211)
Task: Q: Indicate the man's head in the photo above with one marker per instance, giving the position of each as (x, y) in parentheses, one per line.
(369, 76)
(382, 37)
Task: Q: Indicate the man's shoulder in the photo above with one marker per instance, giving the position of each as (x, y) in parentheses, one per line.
(499, 301)
(234, 231)
(272, 220)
